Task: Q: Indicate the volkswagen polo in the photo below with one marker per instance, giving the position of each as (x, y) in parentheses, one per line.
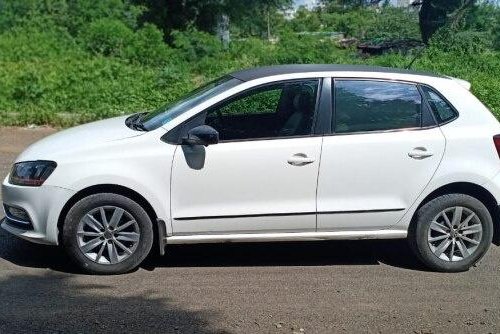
(282, 153)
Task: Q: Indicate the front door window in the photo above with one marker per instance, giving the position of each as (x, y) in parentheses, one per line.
(282, 109)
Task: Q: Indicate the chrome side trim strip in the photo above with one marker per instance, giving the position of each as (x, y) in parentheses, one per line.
(288, 214)
(298, 236)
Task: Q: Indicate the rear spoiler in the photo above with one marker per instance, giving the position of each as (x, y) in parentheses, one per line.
(465, 84)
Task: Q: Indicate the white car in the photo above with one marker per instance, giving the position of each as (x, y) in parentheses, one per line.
(282, 153)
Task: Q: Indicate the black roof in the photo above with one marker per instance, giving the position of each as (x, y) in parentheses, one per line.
(267, 71)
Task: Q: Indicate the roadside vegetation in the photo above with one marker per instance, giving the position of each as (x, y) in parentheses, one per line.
(66, 62)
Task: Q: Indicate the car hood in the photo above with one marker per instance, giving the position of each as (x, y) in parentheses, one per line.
(79, 138)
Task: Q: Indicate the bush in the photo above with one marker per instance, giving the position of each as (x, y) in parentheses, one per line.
(113, 38)
(71, 15)
(352, 24)
(194, 44)
(304, 49)
(108, 37)
(363, 23)
(28, 88)
(481, 70)
(251, 52)
(147, 47)
(468, 42)
(28, 42)
(393, 23)
(66, 62)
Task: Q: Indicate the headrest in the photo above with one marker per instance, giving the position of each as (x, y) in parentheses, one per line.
(303, 101)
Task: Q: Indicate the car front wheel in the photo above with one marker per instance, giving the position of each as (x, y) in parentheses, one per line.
(452, 232)
(107, 234)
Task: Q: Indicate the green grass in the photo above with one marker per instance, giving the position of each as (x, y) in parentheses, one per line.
(52, 78)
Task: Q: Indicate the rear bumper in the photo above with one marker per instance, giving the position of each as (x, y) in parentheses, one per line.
(496, 227)
(493, 186)
(43, 205)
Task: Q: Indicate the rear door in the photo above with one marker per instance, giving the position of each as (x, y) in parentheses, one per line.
(383, 151)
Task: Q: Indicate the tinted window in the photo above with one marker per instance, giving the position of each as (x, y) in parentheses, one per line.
(165, 114)
(277, 110)
(363, 105)
(441, 109)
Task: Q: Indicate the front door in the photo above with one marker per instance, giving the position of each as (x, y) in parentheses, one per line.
(261, 177)
(383, 153)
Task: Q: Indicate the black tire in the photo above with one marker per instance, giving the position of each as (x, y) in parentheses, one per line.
(418, 232)
(85, 205)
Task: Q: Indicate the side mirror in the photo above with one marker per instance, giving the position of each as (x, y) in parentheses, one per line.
(201, 135)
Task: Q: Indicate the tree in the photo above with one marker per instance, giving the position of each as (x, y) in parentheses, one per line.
(71, 14)
(206, 15)
(436, 13)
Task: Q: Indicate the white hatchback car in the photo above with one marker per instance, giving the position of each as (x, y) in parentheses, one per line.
(282, 153)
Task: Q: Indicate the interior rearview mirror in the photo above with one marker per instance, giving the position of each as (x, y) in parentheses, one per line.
(201, 135)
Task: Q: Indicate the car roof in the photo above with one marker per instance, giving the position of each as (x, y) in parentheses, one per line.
(267, 71)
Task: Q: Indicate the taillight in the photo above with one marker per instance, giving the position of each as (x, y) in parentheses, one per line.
(496, 141)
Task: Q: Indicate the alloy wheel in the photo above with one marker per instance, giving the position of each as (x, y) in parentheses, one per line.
(108, 235)
(455, 233)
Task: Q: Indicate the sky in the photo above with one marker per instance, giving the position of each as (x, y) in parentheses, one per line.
(307, 3)
(311, 3)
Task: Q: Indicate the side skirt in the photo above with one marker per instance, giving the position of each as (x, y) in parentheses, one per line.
(275, 237)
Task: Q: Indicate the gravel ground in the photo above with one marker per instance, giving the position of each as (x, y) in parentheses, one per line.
(320, 287)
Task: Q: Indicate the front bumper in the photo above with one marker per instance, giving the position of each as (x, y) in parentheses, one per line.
(43, 205)
(32, 236)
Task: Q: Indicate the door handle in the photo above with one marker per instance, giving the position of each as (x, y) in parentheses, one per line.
(300, 159)
(420, 153)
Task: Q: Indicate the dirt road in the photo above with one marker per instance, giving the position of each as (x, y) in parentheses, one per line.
(324, 287)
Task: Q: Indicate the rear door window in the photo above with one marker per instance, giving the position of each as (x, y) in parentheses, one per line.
(370, 105)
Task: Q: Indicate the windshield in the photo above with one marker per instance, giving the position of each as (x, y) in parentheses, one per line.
(163, 115)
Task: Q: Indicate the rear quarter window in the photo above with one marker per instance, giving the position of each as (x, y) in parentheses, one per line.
(441, 109)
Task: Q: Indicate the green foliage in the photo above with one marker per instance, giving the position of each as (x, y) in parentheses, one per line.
(31, 43)
(482, 70)
(305, 49)
(435, 14)
(362, 23)
(467, 42)
(73, 15)
(353, 23)
(111, 37)
(194, 44)
(260, 103)
(486, 18)
(69, 91)
(64, 62)
(306, 20)
(107, 37)
(251, 51)
(147, 46)
(393, 23)
(28, 88)
(249, 16)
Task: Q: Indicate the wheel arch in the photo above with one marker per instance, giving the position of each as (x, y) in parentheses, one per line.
(107, 188)
(475, 191)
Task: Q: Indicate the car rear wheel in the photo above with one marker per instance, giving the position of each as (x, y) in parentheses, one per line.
(452, 232)
(107, 234)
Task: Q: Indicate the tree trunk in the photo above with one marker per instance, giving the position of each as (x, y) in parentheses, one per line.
(268, 25)
(223, 30)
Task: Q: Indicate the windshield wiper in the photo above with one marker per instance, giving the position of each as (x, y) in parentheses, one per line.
(135, 122)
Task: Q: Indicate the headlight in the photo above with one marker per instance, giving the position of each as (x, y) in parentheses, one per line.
(31, 173)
